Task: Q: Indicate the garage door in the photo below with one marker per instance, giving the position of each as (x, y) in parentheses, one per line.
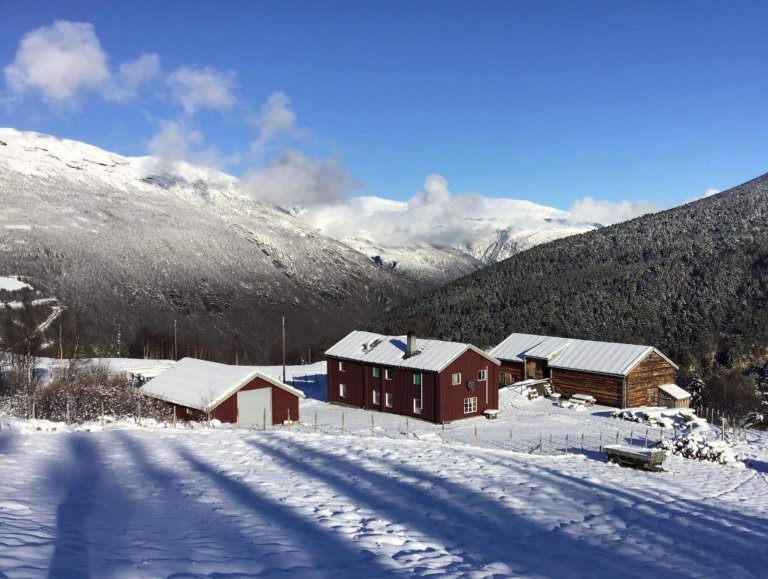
(254, 405)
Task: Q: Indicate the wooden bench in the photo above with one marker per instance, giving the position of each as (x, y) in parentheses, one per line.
(644, 458)
(584, 398)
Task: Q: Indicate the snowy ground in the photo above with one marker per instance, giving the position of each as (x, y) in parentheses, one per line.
(309, 501)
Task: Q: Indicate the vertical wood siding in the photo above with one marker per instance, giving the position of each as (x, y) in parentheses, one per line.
(451, 404)
(441, 402)
(282, 403)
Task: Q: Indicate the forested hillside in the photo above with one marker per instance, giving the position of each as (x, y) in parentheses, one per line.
(692, 281)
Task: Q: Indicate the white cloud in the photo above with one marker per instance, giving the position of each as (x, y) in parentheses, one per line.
(591, 210)
(205, 88)
(294, 179)
(61, 61)
(276, 117)
(137, 72)
(176, 142)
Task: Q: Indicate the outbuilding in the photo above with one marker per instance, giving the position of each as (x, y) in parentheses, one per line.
(672, 396)
(621, 375)
(235, 394)
(428, 379)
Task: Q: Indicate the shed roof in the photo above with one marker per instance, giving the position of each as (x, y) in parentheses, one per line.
(571, 354)
(204, 385)
(675, 391)
(378, 349)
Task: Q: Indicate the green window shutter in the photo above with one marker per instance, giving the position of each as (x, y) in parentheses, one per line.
(376, 372)
(417, 379)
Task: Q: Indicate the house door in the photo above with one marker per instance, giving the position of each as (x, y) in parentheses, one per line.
(254, 407)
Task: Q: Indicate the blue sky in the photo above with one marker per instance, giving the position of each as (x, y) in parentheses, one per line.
(546, 101)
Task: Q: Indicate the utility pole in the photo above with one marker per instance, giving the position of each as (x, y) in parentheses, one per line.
(283, 348)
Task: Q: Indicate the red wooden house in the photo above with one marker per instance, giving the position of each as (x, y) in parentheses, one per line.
(236, 394)
(427, 379)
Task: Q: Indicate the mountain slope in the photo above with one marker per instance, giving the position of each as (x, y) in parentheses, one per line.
(692, 280)
(127, 243)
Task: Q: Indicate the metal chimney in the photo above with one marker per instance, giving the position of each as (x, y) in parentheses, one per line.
(409, 343)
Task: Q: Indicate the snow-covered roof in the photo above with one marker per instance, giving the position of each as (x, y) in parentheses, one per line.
(378, 349)
(675, 391)
(570, 354)
(204, 385)
(517, 347)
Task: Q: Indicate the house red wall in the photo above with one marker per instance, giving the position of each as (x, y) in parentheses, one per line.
(452, 397)
(282, 403)
(441, 402)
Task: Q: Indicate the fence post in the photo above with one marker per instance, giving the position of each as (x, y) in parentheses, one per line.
(566, 444)
(407, 429)
(138, 404)
(617, 437)
(601, 441)
(264, 420)
(372, 427)
(33, 411)
(442, 436)
(342, 423)
(315, 422)
(174, 417)
(102, 413)
(475, 434)
(631, 436)
(582, 442)
(646, 438)
(541, 445)
(67, 410)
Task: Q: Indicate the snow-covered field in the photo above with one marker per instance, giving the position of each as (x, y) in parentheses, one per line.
(311, 501)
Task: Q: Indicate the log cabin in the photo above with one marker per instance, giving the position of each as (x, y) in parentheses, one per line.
(429, 380)
(620, 375)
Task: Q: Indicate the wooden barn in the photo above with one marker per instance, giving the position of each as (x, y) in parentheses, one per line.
(621, 375)
(235, 394)
(426, 379)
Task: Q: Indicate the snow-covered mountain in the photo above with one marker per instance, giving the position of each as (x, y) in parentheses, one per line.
(130, 245)
(437, 236)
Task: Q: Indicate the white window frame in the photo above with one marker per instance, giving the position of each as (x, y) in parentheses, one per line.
(470, 405)
(377, 397)
(482, 375)
(342, 390)
(417, 406)
(456, 379)
(342, 366)
(388, 373)
(388, 399)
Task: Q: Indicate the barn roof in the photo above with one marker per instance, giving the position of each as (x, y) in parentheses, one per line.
(517, 347)
(675, 391)
(570, 354)
(378, 349)
(204, 385)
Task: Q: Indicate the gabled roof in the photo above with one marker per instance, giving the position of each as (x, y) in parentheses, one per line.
(381, 350)
(675, 391)
(204, 385)
(570, 354)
